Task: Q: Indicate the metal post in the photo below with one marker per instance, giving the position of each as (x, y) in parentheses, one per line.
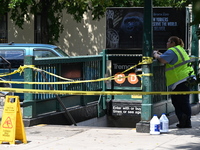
(102, 98)
(147, 104)
(103, 74)
(147, 68)
(29, 105)
(195, 52)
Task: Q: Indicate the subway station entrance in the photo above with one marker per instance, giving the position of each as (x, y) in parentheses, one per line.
(126, 64)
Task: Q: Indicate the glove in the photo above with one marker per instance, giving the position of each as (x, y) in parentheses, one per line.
(156, 54)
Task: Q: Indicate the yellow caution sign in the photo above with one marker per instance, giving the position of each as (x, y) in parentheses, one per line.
(12, 126)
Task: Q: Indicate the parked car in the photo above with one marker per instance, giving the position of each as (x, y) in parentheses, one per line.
(12, 56)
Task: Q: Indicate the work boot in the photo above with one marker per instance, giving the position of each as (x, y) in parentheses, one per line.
(185, 122)
(188, 124)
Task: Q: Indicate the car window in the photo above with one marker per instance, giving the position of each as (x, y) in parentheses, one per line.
(15, 57)
(44, 53)
(60, 51)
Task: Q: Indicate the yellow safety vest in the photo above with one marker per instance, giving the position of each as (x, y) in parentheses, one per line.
(180, 70)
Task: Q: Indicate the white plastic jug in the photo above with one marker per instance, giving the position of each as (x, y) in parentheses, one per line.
(164, 123)
(155, 125)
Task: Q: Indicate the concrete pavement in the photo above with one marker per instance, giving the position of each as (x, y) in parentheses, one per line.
(63, 137)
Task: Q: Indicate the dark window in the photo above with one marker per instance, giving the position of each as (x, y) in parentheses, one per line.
(3, 29)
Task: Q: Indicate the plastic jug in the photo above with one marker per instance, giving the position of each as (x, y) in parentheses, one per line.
(164, 123)
(155, 125)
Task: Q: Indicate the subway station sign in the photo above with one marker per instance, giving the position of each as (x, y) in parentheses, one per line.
(125, 79)
(124, 27)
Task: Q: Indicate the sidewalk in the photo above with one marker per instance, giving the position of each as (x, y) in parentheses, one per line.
(57, 137)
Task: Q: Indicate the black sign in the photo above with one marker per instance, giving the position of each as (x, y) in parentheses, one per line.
(128, 78)
(120, 108)
(124, 27)
(168, 22)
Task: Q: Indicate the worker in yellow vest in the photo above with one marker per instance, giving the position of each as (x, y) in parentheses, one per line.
(178, 73)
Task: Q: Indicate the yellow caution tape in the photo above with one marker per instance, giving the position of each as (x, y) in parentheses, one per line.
(73, 82)
(40, 70)
(145, 60)
(21, 69)
(64, 92)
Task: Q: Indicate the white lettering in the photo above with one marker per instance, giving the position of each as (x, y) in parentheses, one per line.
(119, 76)
(156, 24)
(130, 112)
(137, 108)
(137, 112)
(172, 23)
(124, 67)
(133, 78)
(161, 19)
(117, 111)
(159, 28)
(116, 107)
(125, 108)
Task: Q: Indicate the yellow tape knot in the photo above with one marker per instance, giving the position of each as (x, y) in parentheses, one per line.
(21, 68)
(147, 60)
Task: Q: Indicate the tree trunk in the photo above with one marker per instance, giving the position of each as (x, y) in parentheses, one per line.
(44, 22)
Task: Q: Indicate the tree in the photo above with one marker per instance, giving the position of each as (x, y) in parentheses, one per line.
(51, 11)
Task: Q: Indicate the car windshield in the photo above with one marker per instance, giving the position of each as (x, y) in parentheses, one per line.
(60, 51)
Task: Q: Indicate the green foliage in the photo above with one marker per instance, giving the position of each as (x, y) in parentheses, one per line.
(4, 6)
(77, 8)
(51, 11)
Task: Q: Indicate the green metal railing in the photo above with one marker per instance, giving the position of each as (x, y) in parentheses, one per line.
(87, 68)
(159, 82)
(75, 68)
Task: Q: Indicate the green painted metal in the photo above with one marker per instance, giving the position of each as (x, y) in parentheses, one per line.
(147, 104)
(159, 82)
(29, 109)
(104, 74)
(102, 98)
(195, 52)
(161, 103)
(79, 68)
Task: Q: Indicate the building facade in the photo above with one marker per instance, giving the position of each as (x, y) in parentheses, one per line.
(85, 38)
